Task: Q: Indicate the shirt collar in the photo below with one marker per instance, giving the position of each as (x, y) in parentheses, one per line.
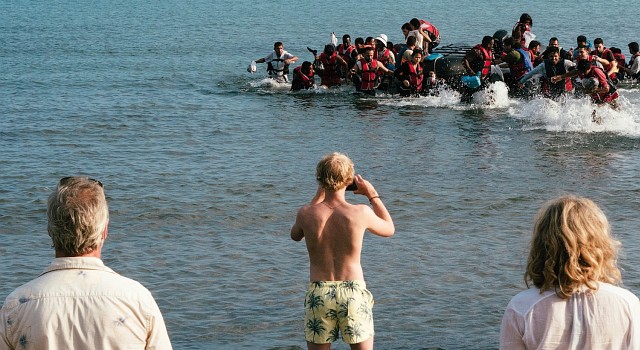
(85, 263)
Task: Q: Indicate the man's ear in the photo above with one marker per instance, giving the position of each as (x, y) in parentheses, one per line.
(106, 231)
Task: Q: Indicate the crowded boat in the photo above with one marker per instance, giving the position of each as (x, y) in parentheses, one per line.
(419, 66)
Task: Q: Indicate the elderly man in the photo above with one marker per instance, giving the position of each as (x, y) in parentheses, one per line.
(78, 302)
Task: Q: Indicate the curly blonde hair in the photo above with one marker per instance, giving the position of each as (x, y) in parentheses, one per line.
(572, 247)
(334, 171)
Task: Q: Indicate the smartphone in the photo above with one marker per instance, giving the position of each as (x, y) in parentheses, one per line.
(352, 187)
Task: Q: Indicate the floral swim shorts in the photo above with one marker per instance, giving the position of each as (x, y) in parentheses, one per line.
(338, 307)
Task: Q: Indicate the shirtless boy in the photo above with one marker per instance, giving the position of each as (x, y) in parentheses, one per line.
(337, 300)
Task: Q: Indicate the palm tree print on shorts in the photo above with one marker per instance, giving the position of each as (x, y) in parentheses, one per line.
(331, 304)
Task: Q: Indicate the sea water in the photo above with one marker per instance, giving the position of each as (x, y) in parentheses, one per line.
(205, 165)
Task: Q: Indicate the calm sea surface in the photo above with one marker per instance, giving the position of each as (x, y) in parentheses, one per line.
(205, 165)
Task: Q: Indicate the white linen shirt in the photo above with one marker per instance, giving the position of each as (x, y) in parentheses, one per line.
(79, 303)
(607, 319)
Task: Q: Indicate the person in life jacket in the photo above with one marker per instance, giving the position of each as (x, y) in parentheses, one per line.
(278, 62)
(477, 62)
(410, 74)
(633, 69)
(601, 51)
(365, 72)
(480, 58)
(522, 29)
(406, 53)
(534, 53)
(384, 56)
(429, 33)
(603, 92)
(517, 59)
(332, 65)
(621, 60)
(564, 54)
(584, 54)
(303, 77)
(553, 70)
(581, 41)
(345, 51)
(382, 52)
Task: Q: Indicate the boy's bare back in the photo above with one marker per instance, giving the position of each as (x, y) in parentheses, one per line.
(334, 229)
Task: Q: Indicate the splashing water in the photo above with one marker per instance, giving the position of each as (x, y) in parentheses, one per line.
(567, 115)
(576, 115)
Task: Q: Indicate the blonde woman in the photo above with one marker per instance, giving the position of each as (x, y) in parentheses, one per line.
(574, 301)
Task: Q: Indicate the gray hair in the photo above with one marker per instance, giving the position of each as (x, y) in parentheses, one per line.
(78, 215)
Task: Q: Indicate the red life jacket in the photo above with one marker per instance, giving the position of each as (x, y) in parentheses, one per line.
(535, 59)
(553, 70)
(415, 76)
(603, 97)
(486, 63)
(434, 33)
(621, 59)
(329, 75)
(383, 59)
(303, 81)
(386, 56)
(369, 73)
(607, 55)
(345, 52)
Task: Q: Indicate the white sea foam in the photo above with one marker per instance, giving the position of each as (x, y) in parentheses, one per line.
(576, 115)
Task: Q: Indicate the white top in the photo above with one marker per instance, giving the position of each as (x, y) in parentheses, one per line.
(607, 319)
(278, 62)
(419, 38)
(78, 303)
(540, 70)
(635, 66)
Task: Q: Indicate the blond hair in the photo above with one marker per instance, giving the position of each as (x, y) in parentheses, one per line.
(571, 247)
(334, 171)
(78, 215)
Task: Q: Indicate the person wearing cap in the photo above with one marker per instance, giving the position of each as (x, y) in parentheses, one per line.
(78, 302)
(386, 57)
(382, 52)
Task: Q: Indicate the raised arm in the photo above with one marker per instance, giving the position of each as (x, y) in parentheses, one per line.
(384, 69)
(539, 70)
(290, 58)
(379, 220)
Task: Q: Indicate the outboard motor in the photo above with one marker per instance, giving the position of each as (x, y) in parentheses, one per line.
(498, 37)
